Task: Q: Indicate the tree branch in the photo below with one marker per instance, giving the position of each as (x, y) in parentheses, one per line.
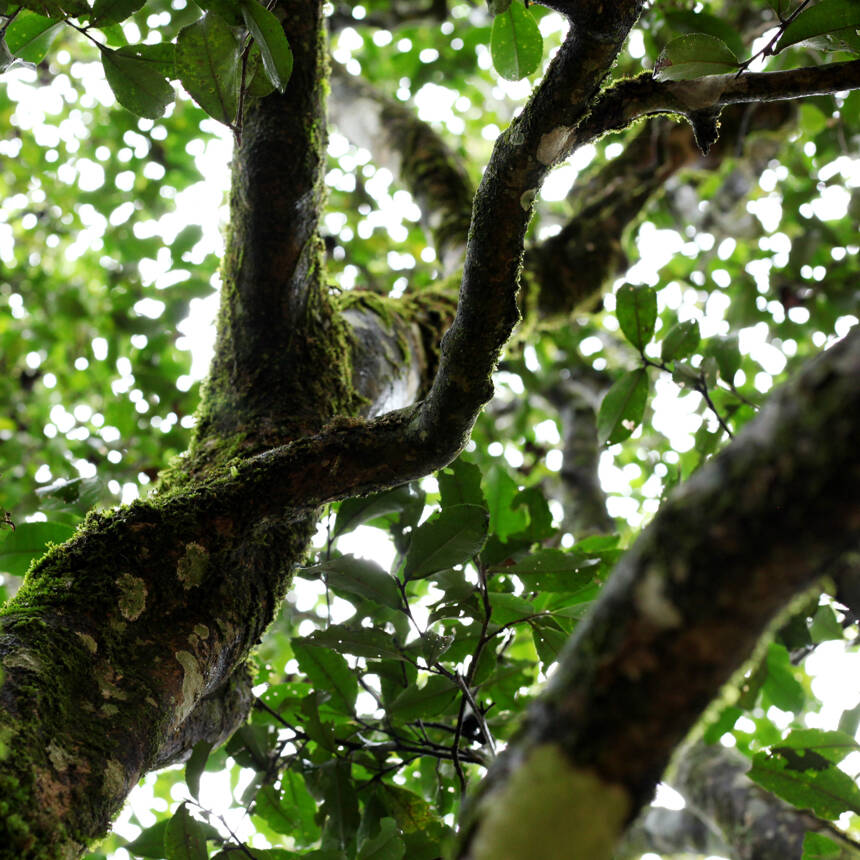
(684, 609)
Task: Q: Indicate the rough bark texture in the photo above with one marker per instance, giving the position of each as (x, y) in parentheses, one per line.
(687, 603)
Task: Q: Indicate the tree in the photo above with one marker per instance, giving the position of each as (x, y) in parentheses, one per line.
(136, 638)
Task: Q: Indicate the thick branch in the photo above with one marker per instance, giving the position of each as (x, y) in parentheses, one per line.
(627, 101)
(687, 604)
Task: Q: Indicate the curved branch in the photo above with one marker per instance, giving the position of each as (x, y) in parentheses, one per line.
(629, 100)
(684, 608)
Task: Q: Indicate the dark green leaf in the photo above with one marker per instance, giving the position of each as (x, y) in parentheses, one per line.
(113, 11)
(358, 576)
(161, 59)
(138, 87)
(341, 802)
(548, 643)
(831, 745)
(195, 765)
(29, 541)
(185, 837)
(387, 845)
(827, 17)
(827, 791)
(29, 36)
(360, 641)
(207, 61)
(725, 349)
(681, 340)
(150, 843)
(354, 512)
(508, 608)
(414, 702)
(269, 36)
(622, 407)
(289, 811)
(460, 483)
(328, 671)
(452, 537)
(554, 570)
(694, 56)
(516, 44)
(636, 309)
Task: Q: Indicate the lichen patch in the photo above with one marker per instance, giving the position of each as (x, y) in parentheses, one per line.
(132, 596)
(191, 568)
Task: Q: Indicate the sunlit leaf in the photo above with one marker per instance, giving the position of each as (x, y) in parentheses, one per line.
(516, 44)
(29, 35)
(113, 11)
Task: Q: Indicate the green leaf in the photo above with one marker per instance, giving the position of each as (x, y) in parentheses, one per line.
(516, 44)
(548, 643)
(452, 537)
(829, 17)
(681, 340)
(805, 782)
(269, 36)
(825, 625)
(354, 512)
(387, 845)
(433, 698)
(460, 483)
(636, 309)
(161, 58)
(360, 641)
(289, 811)
(340, 802)
(508, 608)
(623, 407)
(357, 576)
(113, 11)
(834, 746)
(554, 570)
(328, 671)
(694, 56)
(781, 686)
(150, 843)
(138, 87)
(207, 61)
(505, 517)
(185, 837)
(29, 541)
(30, 35)
(195, 765)
(816, 846)
(725, 349)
